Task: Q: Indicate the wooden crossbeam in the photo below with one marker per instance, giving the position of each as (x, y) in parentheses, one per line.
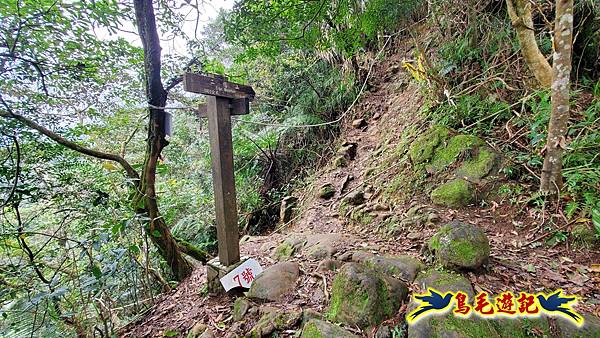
(216, 85)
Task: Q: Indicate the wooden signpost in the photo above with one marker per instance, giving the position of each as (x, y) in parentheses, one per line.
(223, 99)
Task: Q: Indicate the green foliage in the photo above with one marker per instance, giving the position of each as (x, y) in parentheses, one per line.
(342, 27)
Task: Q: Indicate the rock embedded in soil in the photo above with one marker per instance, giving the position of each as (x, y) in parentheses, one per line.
(455, 327)
(436, 325)
(329, 265)
(359, 123)
(286, 209)
(197, 330)
(403, 267)
(326, 191)
(275, 281)
(340, 162)
(355, 198)
(240, 308)
(316, 328)
(457, 147)
(479, 166)
(584, 235)
(348, 150)
(422, 149)
(275, 320)
(460, 245)
(455, 194)
(363, 296)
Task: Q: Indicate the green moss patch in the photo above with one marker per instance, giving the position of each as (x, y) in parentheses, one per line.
(458, 145)
(458, 327)
(478, 167)
(456, 193)
(421, 150)
(460, 245)
(284, 251)
(364, 297)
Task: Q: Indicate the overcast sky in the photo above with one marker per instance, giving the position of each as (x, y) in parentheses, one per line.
(209, 11)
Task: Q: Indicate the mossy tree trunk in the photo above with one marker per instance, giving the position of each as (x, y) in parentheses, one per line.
(520, 15)
(156, 228)
(551, 180)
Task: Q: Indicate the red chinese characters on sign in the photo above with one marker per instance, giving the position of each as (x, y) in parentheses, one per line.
(505, 303)
(242, 276)
(461, 306)
(483, 306)
(527, 304)
(247, 275)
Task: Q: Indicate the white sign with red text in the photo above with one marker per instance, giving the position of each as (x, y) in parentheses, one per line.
(242, 276)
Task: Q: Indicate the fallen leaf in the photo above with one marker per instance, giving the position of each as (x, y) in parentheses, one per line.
(594, 268)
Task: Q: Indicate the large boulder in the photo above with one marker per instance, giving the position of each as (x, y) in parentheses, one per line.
(460, 245)
(275, 281)
(455, 193)
(316, 328)
(363, 296)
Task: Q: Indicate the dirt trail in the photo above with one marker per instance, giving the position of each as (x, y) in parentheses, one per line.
(390, 106)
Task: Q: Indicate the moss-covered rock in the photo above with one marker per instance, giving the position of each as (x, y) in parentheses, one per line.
(450, 326)
(479, 166)
(446, 325)
(316, 328)
(421, 150)
(458, 145)
(275, 320)
(363, 296)
(583, 235)
(362, 216)
(456, 193)
(340, 162)
(240, 308)
(403, 267)
(284, 251)
(590, 328)
(326, 191)
(348, 150)
(523, 327)
(460, 245)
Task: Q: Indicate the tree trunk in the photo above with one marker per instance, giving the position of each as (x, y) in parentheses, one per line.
(157, 229)
(520, 15)
(551, 181)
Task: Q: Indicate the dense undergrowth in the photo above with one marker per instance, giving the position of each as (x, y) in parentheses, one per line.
(478, 83)
(76, 257)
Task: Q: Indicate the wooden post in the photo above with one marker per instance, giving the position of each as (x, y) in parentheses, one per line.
(221, 152)
(223, 99)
